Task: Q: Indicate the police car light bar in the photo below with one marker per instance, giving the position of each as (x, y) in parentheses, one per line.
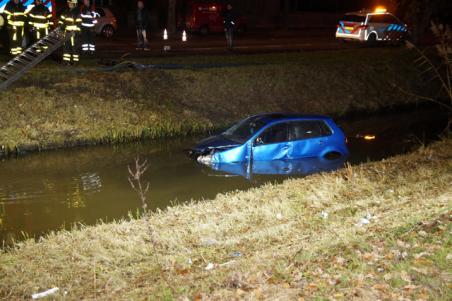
(380, 9)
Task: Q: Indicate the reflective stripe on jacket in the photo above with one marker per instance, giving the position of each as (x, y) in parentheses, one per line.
(40, 16)
(70, 20)
(15, 14)
(89, 17)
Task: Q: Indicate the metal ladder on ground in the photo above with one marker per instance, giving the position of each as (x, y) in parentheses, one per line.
(34, 54)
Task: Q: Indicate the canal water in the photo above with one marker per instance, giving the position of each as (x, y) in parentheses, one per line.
(48, 191)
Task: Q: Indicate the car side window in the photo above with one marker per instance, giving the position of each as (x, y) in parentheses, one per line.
(301, 130)
(274, 134)
(380, 18)
(391, 19)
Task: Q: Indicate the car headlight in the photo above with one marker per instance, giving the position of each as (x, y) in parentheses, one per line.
(205, 159)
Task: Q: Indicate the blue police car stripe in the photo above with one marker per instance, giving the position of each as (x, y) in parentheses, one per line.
(341, 28)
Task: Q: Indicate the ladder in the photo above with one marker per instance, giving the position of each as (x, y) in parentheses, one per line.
(34, 54)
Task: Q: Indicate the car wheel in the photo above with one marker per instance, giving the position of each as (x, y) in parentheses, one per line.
(204, 30)
(372, 39)
(333, 155)
(108, 31)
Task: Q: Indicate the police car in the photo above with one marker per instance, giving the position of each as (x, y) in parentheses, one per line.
(371, 27)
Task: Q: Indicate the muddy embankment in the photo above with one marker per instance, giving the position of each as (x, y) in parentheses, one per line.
(53, 106)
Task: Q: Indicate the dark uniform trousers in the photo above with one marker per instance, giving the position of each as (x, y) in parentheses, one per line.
(15, 14)
(88, 34)
(40, 20)
(70, 20)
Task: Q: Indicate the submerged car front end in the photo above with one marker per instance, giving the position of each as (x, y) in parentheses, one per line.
(217, 149)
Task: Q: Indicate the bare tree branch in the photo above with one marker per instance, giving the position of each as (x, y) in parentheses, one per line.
(135, 181)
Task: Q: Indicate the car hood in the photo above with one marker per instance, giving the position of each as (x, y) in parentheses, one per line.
(216, 142)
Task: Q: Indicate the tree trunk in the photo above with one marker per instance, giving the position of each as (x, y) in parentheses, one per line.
(171, 16)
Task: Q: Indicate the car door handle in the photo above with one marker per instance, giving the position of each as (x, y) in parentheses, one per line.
(322, 142)
(286, 147)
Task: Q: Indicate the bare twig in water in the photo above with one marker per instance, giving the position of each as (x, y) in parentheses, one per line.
(135, 180)
(136, 183)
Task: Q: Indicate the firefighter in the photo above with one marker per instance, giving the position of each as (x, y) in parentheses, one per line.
(70, 20)
(89, 17)
(15, 14)
(40, 20)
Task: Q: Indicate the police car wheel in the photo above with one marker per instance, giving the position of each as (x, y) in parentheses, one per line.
(372, 39)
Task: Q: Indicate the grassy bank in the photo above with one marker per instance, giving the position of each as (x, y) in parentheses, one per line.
(304, 239)
(54, 106)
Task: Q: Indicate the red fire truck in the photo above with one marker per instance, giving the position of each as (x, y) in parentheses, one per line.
(206, 17)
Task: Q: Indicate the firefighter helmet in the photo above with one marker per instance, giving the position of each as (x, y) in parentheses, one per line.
(72, 2)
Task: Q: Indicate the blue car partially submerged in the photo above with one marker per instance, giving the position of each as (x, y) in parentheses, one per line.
(276, 136)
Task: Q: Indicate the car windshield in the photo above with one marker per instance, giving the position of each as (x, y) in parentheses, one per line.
(353, 18)
(243, 130)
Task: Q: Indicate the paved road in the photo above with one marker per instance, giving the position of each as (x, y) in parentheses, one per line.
(251, 42)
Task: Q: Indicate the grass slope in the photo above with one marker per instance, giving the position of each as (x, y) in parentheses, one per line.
(304, 239)
(54, 106)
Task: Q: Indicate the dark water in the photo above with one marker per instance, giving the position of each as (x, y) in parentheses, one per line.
(49, 191)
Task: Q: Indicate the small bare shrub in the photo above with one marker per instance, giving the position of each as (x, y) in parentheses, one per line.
(136, 183)
(135, 180)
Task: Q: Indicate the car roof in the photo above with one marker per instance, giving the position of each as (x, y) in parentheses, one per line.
(359, 13)
(274, 117)
(364, 13)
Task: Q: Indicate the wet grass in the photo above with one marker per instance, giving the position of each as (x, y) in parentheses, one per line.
(304, 239)
(53, 106)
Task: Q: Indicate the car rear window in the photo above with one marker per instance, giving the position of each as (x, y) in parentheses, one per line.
(300, 130)
(353, 18)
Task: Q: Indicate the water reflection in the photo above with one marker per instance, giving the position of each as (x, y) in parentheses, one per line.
(48, 191)
(300, 167)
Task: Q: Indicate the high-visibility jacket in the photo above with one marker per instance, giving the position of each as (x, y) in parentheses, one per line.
(15, 14)
(40, 16)
(71, 20)
(89, 17)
